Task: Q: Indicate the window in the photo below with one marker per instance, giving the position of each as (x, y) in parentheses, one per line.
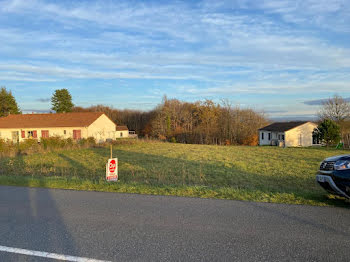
(283, 137)
(269, 136)
(121, 134)
(65, 132)
(262, 135)
(32, 134)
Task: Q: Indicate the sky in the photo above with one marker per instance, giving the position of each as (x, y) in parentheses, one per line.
(277, 57)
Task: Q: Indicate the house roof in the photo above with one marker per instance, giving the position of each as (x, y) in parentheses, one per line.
(283, 126)
(122, 128)
(49, 120)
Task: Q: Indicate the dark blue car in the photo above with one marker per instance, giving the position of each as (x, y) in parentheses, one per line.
(334, 175)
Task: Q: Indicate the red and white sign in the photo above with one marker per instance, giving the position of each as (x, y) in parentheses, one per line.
(112, 170)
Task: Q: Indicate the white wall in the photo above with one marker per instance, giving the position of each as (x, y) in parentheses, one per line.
(301, 135)
(266, 140)
(65, 132)
(122, 134)
(103, 128)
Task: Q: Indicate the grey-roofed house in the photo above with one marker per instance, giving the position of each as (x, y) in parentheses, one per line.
(288, 134)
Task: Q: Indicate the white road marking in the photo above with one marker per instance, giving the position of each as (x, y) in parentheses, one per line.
(48, 255)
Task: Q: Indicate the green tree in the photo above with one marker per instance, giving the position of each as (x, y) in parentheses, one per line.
(328, 132)
(62, 101)
(8, 104)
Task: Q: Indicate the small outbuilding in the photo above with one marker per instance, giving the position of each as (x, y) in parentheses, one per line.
(288, 134)
(122, 132)
(66, 125)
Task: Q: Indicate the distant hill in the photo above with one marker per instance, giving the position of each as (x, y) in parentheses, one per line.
(293, 118)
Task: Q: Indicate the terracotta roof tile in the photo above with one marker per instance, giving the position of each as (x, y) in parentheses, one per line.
(49, 120)
(122, 128)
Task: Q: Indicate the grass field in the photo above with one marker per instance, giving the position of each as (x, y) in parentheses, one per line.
(266, 174)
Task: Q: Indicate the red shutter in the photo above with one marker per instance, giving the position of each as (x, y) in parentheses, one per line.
(23, 134)
(44, 133)
(35, 134)
(76, 134)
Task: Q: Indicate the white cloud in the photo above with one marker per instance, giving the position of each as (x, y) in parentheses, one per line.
(79, 73)
(226, 47)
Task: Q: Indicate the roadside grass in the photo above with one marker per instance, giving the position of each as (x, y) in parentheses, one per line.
(263, 174)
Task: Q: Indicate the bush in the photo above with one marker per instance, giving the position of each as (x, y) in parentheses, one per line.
(91, 141)
(8, 148)
(82, 142)
(53, 142)
(29, 146)
(69, 142)
(2, 145)
(252, 140)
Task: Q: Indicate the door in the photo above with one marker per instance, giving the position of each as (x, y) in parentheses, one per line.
(15, 136)
(76, 134)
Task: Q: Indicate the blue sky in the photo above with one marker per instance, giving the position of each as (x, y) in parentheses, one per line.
(267, 55)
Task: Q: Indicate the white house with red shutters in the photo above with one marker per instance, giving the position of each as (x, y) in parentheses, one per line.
(66, 125)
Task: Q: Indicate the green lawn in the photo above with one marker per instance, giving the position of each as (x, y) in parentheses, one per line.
(266, 174)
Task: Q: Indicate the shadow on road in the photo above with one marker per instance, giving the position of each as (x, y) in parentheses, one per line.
(30, 219)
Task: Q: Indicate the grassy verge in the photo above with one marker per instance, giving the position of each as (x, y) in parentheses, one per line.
(264, 174)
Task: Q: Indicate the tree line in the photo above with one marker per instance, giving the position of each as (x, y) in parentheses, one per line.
(201, 122)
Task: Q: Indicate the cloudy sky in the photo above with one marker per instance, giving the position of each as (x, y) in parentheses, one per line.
(276, 56)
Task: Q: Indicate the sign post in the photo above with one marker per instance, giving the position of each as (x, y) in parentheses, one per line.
(112, 168)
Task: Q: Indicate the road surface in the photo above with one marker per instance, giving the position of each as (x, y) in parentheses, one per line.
(128, 227)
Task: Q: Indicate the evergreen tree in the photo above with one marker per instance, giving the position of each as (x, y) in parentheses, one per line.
(328, 132)
(62, 101)
(8, 104)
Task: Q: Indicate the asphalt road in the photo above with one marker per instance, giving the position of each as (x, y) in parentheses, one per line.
(128, 227)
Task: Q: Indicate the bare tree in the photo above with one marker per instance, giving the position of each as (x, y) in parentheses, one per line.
(336, 109)
(199, 122)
